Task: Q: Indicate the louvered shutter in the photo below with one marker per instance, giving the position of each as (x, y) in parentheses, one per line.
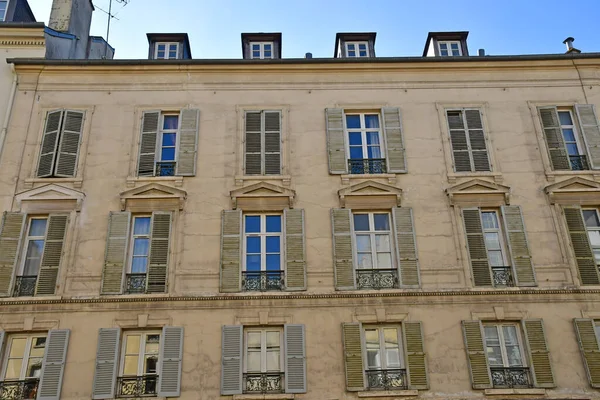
(479, 152)
(353, 357)
(539, 355)
(588, 120)
(518, 246)
(231, 359)
(231, 250)
(107, 361)
(586, 263)
(590, 350)
(458, 141)
(13, 224)
(115, 255)
(480, 266)
(49, 143)
(392, 127)
(336, 148)
(53, 248)
(408, 259)
(148, 138)
(295, 251)
(554, 138)
(68, 148)
(478, 362)
(53, 364)
(159, 252)
(295, 358)
(416, 363)
(253, 145)
(343, 256)
(2, 337)
(171, 352)
(188, 143)
(272, 142)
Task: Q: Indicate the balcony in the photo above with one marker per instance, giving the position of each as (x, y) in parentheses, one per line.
(25, 286)
(136, 283)
(386, 379)
(377, 279)
(262, 281)
(19, 390)
(271, 382)
(511, 377)
(367, 166)
(502, 276)
(137, 386)
(579, 163)
(165, 168)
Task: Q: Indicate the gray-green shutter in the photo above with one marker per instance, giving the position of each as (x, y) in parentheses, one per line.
(518, 245)
(394, 139)
(159, 252)
(295, 358)
(53, 249)
(253, 143)
(68, 148)
(482, 275)
(336, 147)
(11, 233)
(171, 353)
(53, 364)
(343, 254)
(539, 355)
(554, 138)
(115, 256)
(458, 141)
(588, 120)
(231, 250)
(406, 245)
(49, 143)
(586, 263)
(590, 350)
(107, 362)
(272, 142)
(479, 152)
(353, 356)
(478, 362)
(231, 359)
(416, 362)
(295, 250)
(148, 138)
(188, 143)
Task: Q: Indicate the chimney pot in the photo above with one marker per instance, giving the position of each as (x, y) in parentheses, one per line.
(569, 42)
(308, 55)
(481, 52)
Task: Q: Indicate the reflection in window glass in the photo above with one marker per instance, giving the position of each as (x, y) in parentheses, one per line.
(372, 235)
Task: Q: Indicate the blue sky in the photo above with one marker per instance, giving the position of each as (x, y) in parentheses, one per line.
(214, 26)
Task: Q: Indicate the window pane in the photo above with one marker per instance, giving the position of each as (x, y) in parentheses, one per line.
(38, 227)
(253, 339)
(171, 122)
(382, 242)
(569, 135)
(273, 223)
(565, 118)
(267, 54)
(34, 367)
(444, 52)
(350, 46)
(443, 46)
(138, 265)
(384, 260)
(17, 347)
(597, 255)
(514, 356)
(594, 238)
(361, 222)
(161, 47)
(362, 46)
(391, 337)
(132, 345)
(253, 361)
(142, 226)
(393, 358)
(267, 47)
(372, 344)
(167, 154)
(455, 53)
(489, 220)
(572, 149)
(256, 54)
(510, 335)
(273, 358)
(363, 243)
(492, 240)
(141, 246)
(38, 347)
(495, 258)
(13, 369)
(173, 47)
(256, 47)
(491, 336)
(273, 339)
(454, 46)
(150, 364)
(364, 261)
(172, 54)
(252, 223)
(273, 262)
(169, 139)
(160, 54)
(373, 138)
(352, 121)
(273, 244)
(363, 54)
(152, 346)
(351, 53)
(591, 218)
(382, 222)
(253, 263)
(356, 153)
(131, 365)
(355, 138)
(374, 152)
(494, 355)
(253, 244)
(372, 121)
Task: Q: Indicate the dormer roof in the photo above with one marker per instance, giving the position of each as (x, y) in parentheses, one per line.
(185, 52)
(274, 37)
(342, 37)
(431, 48)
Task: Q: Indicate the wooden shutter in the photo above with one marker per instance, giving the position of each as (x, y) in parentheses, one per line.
(148, 138)
(588, 120)
(272, 126)
(353, 356)
(336, 147)
(295, 250)
(253, 143)
(49, 143)
(479, 152)
(53, 364)
(590, 350)
(107, 361)
(586, 263)
(231, 250)
(539, 355)
(68, 148)
(231, 359)
(554, 138)
(416, 363)
(115, 256)
(394, 140)
(188, 143)
(53, 249)
(13, 224)
(458, 141)
(295, 358)
(171, 352)
(343, 255)
(406, 245)
(518, 245)
(159, 252)
(480, 266)
(478, 362)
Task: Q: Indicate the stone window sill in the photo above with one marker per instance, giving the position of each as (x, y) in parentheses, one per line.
(551, 175)
(391, 178)
(285, 179)
(453, 176)
(388, 393)
(77, 182)
(279, 396)
(176, 180)
(505, 392)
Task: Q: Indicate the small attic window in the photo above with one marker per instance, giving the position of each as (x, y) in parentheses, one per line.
(449, 48)
(261, 50)
(166, 51)
(357, 49)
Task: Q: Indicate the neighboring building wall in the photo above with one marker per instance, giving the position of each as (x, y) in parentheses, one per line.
(72, 17)
(99, 49)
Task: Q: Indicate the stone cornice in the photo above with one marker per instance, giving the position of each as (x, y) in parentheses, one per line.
(13, 36)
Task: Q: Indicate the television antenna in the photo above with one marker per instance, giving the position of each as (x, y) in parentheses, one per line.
(110, 17)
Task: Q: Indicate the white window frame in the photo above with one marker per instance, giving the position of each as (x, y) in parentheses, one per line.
(597, 329)
(382, 348)
(573, 126)
(357, 49)
(503, 351)
(363, 133)
(449, 44)
(372, 234)
(141, 351)
(132, 237)
(500, 231)
(167, 50)
(29, 239)
(263, 241)
(588, 229)
(3, 17)
(26, 355)
(162, 131)
(263, 349)
(262, 50)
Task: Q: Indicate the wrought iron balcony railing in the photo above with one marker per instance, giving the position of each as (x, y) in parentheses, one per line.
(377, 279)
(165, 168)
(511, 377)
(367, 166)
(19, 390)
(262, 281)
(136, 283)
(579, 163)
(25, 286)
(270, 382)
(386, 379)
(502, 276)
(137, 386)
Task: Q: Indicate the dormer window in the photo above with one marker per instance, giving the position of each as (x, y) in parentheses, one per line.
(357, 49)
(3, 8)
(261, 50)
(166, 51)
(449, 48)
(354, 45)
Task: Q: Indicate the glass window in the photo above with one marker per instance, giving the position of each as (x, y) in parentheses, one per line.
(166, 156)
(503, 345)
(494, 241)
(263, 350)
(372, 233)
(592, 225)
(166, 51)
(261, 50)
(383, 345)
(573, 144)
(140, 244)
(450, 48)
(262, 239)
(24, 355)
(3, 7)
(357, 49)
(140, 353)
(364, 136)
(34, 246)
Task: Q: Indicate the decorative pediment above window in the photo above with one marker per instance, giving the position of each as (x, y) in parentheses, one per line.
(153, 197)
(49, 198)
(480, 193)
(575, 190)
(370, 194)
(262, 196)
